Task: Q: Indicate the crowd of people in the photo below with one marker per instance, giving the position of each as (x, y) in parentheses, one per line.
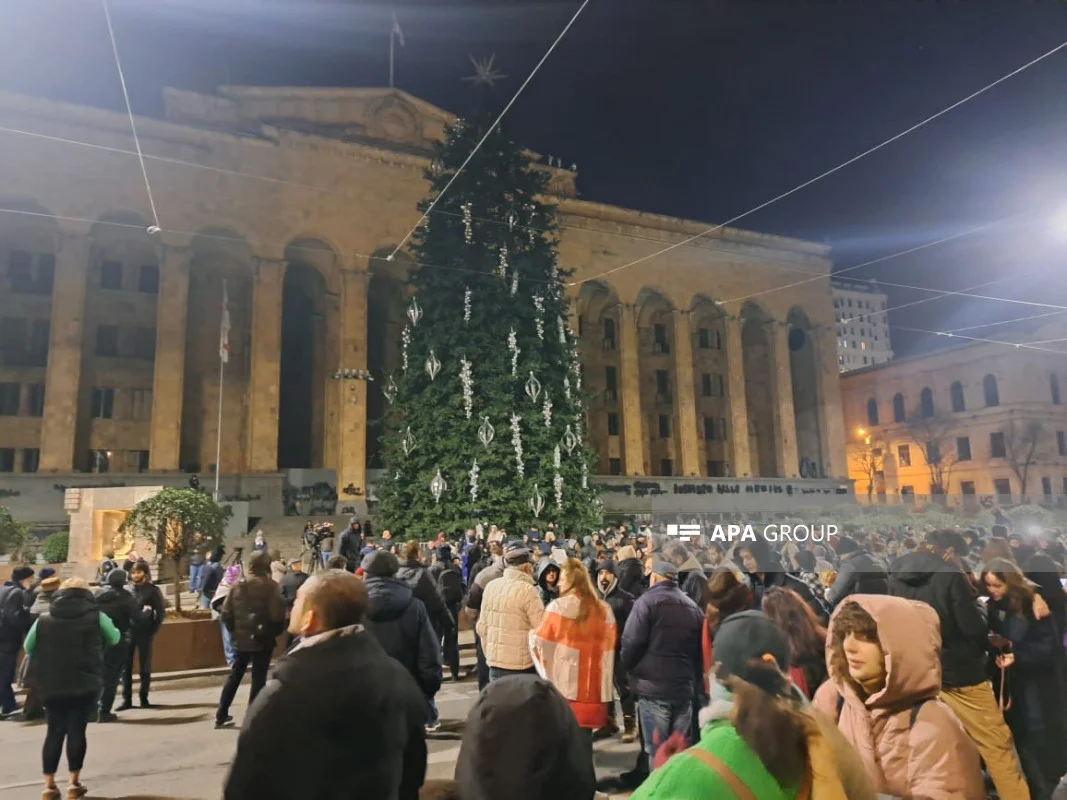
(927, 665)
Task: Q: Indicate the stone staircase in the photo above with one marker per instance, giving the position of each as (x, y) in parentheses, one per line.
(282, 533)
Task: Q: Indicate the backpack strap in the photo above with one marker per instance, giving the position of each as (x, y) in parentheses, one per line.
(729, 777)
(841, 705)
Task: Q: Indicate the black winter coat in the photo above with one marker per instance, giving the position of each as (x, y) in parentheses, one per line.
(148, 594)
(15, 618)
(68, 655)
(661, 645)
(622, 605)
(401, 625)
(121, 608)
(923, 575)
(860, 573)
(1043, 570)
(338, 719)
(350, 545)
(211, 578)
(632, 576)
(423, 587)
(782, 579)
(254, 611)
(289, 586)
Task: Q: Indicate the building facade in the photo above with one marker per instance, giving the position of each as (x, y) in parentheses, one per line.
(979, 420)
(862, 324)
(287, 200)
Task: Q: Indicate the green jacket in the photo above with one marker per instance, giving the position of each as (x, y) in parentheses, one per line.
(685, 777)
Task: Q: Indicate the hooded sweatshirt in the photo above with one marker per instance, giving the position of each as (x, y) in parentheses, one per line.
(911, 743)
(521, 742)
(548, 594)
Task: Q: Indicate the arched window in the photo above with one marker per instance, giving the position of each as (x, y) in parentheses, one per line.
(989, 386)
(926, 403)
(898, 407)
(872, 412)
(1054, 387)
(956, 391)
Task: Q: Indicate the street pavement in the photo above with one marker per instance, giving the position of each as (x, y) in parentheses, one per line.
(174, 753)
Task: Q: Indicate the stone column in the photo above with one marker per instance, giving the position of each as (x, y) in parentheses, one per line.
(740, 455)
(785, 426)
(65, 352)
(633, 436)
(168, 379)
(831, 418)
(262, 448)
(352, 402)
(685, 409)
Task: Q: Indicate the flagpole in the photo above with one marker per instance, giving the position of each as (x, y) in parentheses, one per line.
(392, 47)
(218, 427)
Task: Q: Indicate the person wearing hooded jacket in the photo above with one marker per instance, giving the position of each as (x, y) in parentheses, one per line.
(691, 577)
(424, 587)
(522, 742)
(764, 571)
(122, 609)
(932, 575)
(150, 600)
(401, 624)
(547, 577)
(759, 737)
(859, 573)
(621, 603)
(631, 571)
(66, 647)
(885, 677)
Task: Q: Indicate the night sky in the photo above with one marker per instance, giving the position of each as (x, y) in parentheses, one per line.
(695, 108)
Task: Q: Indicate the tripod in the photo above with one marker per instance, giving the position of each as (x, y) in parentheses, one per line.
(313, 551)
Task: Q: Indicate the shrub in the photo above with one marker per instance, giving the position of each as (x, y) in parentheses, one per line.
(55, 547)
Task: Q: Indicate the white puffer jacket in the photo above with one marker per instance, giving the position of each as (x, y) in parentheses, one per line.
(511, 608)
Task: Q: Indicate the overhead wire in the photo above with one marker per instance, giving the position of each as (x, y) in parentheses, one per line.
(833, 170)
(490, 129)
(1004, 322)
(1023, 345)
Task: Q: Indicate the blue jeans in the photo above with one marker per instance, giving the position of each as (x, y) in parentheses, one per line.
(205, 602)
(227, 644)
(325, 558)
(660, 717)
(194, 577)
(433, 712)
(496, 673)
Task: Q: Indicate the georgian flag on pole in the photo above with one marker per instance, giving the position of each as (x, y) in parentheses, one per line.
(224, 328)
(399, 34)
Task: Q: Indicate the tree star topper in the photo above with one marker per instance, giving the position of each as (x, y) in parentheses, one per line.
(485, 73)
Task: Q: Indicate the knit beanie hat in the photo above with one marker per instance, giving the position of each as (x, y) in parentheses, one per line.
(381, 564)
(19, 574)
(747, 637)
(117, 578)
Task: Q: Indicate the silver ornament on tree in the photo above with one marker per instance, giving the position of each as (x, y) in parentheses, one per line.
(585, 475)
(502, 267)
(468, 227)
(473, 475)
(513, 346)
(408, 442)
(557, 486)
(569, 440)
(414, 312)
(516, 442)
(531, 220)
(562, 330)
(467, 305)
(511, 221)
(438, 486)
(433, 366)
(546, 411)
(539, 319)
(533, 387)
(405, 342)
(486, 432)
(514, 283)
(467, 379)
(390, 390)
(537, 502)
(566, 387)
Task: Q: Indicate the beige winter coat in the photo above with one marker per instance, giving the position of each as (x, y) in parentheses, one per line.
(932, 759)
(511, 608)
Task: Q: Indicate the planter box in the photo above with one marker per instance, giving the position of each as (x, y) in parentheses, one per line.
(184, 644)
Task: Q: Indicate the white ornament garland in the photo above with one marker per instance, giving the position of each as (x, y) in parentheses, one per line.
(467, 305)
(567, 387)
(562, 330)
(513, 346)
(467, 379)
(557, 481)
(405, 339)
(474, 471)
(585, 475)
(468, 228)
(546, 411)
(502, 269)
(514, 283)
(516, 442)
(539, 320)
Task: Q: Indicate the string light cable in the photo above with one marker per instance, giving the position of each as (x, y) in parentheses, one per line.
(1017, 345)
(838, 168)
(490, 129)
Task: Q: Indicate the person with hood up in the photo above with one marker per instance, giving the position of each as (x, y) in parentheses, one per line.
(122, 609)
(401, 624)
(885, 676)
(661, 652)
(765, 571)
(446, 578)
(859, 573)
(631, 571)
(66, 649)
(547, 578)
(339, 718)
(254, 612)
(758, 737)
(522, 742)
(1029, 661)
(15, 621)
(574, 647)
(621, 603)
(511, 609)
(350, 544)
(691, 577)
(150, 600)
(932, 575)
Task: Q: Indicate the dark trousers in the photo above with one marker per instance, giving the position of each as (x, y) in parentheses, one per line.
(450, 641)
(114, 665)
(483, 666)
(142, 647)
(260, 661)
(622, 686)
(67, 719)
(7, 677)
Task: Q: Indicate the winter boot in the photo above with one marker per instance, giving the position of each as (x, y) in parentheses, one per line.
(609, 730)
(629, 733)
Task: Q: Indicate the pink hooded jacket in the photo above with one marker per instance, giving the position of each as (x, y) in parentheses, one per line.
(932, 759)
